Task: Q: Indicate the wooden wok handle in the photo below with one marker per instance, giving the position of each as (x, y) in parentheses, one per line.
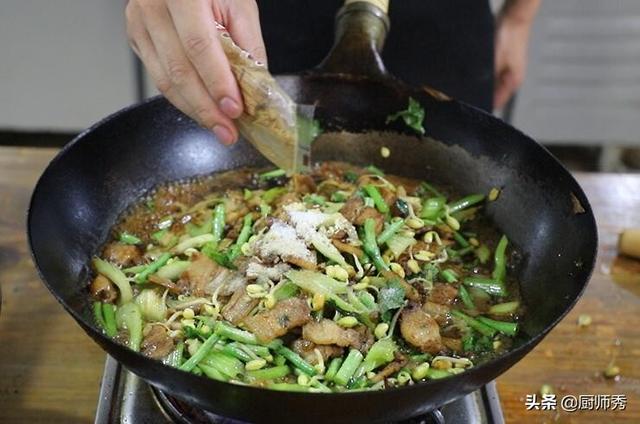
(361, 29)
(629, 242)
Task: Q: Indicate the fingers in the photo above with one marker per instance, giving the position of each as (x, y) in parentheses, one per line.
(155, 39)
(194, 23)
(244, 27)
(503, 89)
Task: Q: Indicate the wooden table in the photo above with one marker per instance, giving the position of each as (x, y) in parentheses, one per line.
(50, 371)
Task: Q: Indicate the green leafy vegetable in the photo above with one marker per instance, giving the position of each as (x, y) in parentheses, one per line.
(413, 116)
(391, 297)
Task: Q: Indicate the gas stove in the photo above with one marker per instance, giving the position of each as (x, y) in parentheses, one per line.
(125, 398)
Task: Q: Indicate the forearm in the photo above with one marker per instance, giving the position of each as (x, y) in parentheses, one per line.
(523, 11)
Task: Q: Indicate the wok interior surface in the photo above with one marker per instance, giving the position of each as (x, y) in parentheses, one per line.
(94, 179)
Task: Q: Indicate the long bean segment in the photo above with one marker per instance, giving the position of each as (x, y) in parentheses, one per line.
(390, 231)
(489, 285)
(465, 202)
(370, 245)
(200, 353)
(152, 268)
(245, 233)
(377, 198)
(348, 367)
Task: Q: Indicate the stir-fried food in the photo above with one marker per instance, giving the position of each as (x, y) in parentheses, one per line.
(345, 279)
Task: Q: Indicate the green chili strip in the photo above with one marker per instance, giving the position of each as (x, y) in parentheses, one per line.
(377, 198)
(465, 297)
(272, 174)
(245, 233)
(390, 231)
(218, 223)
(508, 328)
(348, 368)
(334, 366)
(151, 268)
(489, 285)
(127, 238)
(229, 332)
(272, 373)
(297, 361)
(460, 239)
(500, 260)
(370, 245)
(97, 315)
(200, 353)
(449, 275)
(465, 202)
(109, 313)
(480, 327)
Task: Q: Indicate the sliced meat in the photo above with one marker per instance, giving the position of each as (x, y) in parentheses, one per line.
(388, 196)
(347, 248)
(168, 284)
(390, 369)
(276, 322)
(156, 343)
(370, 213)
(103, 290)
(327, 332)
(443, 294)
(306, 349)
(238, 307)
(121, 254)
(454, 345)
(352, 208)
(303, 184)
(201, 273)
(439, 312)
(419, 329)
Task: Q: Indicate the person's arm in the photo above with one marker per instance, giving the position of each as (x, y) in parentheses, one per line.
(513, 26)
(178, 43)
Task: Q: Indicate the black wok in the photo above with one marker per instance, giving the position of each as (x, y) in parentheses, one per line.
(541, 208)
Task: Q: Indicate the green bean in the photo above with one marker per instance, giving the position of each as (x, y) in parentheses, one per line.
(272, 174)
(390, 231)
(236, 352)
(500, 260)
(371, 246)
(272, 373)
(465, 297)
(212, 372)
(200, 353)
(377, 198)
(114, 274)
(288, 387)
(348, 367)
(97, 315)
(218, 223)
(127, 238)
(244, 235)
(334, 366)
(279, 360)
(449, 275)
(261, 351)
(109, 313)
(508, 328)
(432, 208)
(489, 285)
(480, 327)
(151, 268)
(297, 360)
(504, 308)
(460, 239)
(465, 202)
(229, 332)
(134, 269)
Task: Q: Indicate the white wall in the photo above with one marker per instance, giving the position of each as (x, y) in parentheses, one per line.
(63, 63)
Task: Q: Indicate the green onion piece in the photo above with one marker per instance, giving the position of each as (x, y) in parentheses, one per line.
(500, 260)
(449, 275)
(228, 365)
(229, 332)
(297, 361)
(151, 268)
(378, 200)
(504, 308)
(480, 327)
(370, 245)
(390, 231)
(127, 238)
(109, 313)
(217, 228)
(114, 274)
(272, 373)
(200, 353)
(244, 235)
(97, 315)
(465, 297)
(489, 285)
(508, 328)
(465, 202)
(334, 366)
(272, 174)
(348, 368)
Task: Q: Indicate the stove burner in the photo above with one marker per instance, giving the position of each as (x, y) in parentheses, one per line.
(184, 413)
(125, 398)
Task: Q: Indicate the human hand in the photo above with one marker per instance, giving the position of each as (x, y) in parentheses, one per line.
(178, 43)
(511, 45)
